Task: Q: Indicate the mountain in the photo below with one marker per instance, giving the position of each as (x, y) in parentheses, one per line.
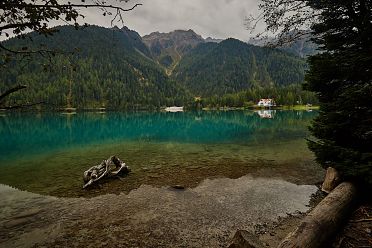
(109, 68)
(134, 40)
(232, 66)
(301, 47)
(118, 69)
(209, 39)
(169, 48)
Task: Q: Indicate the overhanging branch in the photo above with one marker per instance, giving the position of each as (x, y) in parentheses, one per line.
(12, 90)
(66, 6)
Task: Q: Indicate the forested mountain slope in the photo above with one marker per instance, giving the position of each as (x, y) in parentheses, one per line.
(108, 68)
(116, 69)
(232, 66)
(169, 48)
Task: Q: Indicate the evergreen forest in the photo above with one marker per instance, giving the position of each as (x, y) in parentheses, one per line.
(96, 67)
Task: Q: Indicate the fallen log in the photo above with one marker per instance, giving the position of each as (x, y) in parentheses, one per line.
(112, 167)
(325, 219)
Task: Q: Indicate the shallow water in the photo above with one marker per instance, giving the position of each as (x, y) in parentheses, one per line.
(205, 216)
(47, 153)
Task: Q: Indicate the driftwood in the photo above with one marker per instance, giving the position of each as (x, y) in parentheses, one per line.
(325, 219)
(112, 167)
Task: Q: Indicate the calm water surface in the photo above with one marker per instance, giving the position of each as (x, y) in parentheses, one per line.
(47, 153)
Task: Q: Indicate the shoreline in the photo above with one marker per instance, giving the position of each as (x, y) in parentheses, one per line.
(153, 216)
(273, 234)
(160, 110)
(256, 108)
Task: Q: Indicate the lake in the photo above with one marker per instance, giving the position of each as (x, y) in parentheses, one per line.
(47, 153)
(242, 170)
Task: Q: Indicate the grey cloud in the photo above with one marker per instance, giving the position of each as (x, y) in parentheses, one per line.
(215, 18)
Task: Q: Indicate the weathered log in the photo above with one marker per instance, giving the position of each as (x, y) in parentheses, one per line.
(325, 219)
(331, 180)
(108, 168)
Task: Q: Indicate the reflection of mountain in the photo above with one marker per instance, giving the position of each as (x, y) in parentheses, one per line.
(27, 133)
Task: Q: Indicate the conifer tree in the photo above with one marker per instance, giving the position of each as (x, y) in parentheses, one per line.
(341, 75)
(342, 78)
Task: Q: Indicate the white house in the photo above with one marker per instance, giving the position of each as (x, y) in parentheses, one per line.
(266, 103)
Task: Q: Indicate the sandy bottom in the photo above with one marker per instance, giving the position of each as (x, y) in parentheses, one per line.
(205, 216)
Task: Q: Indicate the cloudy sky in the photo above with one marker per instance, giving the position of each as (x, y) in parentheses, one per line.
(214, 18)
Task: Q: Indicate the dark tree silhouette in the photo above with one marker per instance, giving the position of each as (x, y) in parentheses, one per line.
(341, 75)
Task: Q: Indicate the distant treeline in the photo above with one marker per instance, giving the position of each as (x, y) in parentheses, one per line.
(108, 71)
(288, 95)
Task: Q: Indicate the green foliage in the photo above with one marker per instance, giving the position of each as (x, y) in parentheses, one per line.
(232, 66)
(17, 16)
(166, 61)
(107, 68)
(342, 77)
(169, 48)
(113, 68)
(288, 95)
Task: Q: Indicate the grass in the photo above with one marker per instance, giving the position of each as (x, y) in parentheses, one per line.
(297, 107)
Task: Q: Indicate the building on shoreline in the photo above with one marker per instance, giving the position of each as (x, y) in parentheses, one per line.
(266, 103)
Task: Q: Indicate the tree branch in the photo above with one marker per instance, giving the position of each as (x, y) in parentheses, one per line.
(26, 51)
(17, 25)
(66, 6)
(12, 90)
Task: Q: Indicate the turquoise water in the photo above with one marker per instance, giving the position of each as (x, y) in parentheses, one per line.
(47, 152)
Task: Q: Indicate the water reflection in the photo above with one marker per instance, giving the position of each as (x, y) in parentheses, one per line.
(29, 133)
(266, 113)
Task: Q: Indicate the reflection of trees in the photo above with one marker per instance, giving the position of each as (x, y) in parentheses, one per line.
(24, 133)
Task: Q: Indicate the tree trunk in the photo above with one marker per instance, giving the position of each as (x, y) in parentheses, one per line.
(332, 179)
(323, 222)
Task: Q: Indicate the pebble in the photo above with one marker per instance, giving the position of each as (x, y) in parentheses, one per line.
(178, 187)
